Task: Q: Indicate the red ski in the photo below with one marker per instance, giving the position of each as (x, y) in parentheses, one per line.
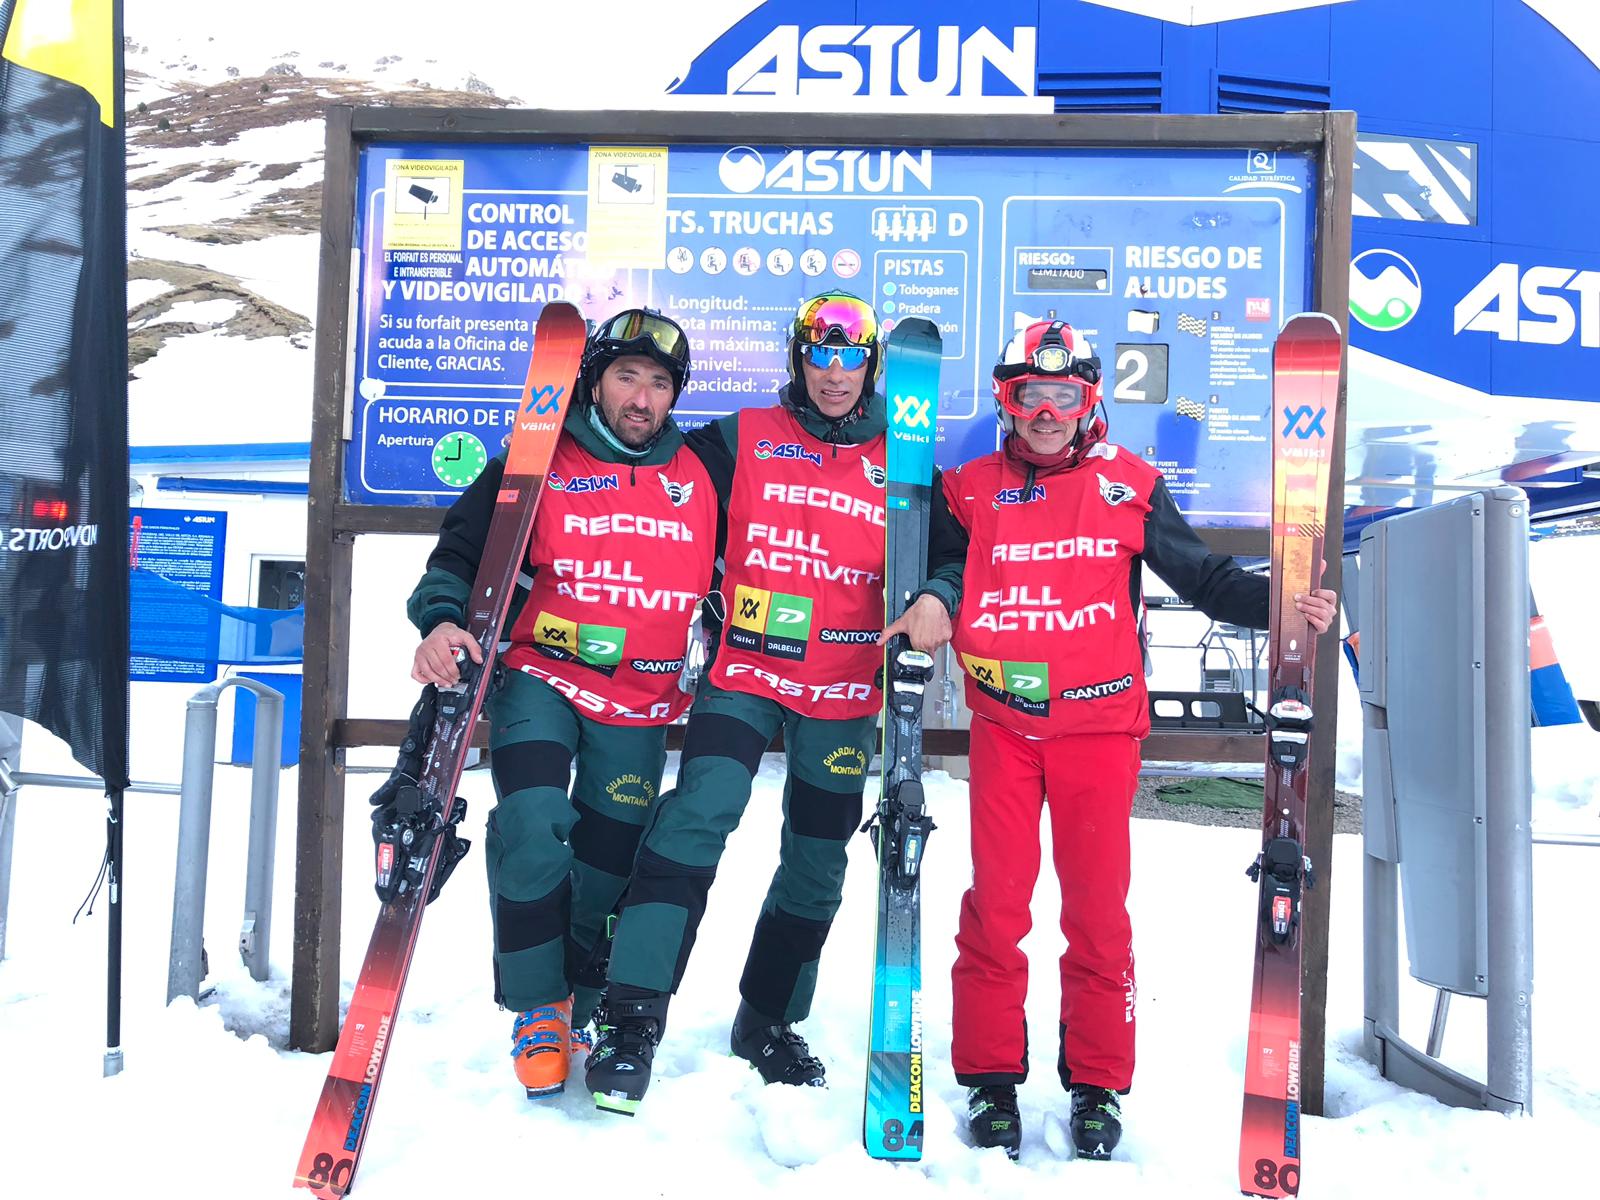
(425, 848)
(1305, 395)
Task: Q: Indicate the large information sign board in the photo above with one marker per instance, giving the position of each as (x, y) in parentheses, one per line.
(1180, 265)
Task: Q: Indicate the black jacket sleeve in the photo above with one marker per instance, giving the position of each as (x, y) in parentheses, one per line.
(1213, 583)
(715, 446)
(441, 594)
(947, 550)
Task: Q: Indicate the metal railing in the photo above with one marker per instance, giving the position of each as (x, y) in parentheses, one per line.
(185, 964)
(185, 967)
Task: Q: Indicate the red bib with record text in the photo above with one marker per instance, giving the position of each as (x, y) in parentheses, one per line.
(620, 555)
(804, 569)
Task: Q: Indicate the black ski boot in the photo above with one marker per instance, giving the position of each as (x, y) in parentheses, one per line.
(993, 1119)
(631, 1025)
(775, 1050)
(1096, 1121)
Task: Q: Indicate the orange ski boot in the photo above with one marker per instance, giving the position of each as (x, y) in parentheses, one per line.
(541, 1040)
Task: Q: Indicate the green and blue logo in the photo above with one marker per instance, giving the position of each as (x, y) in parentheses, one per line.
(1385, 290)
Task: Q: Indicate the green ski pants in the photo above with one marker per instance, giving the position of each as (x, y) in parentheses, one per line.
(677, 863)
(558, 862)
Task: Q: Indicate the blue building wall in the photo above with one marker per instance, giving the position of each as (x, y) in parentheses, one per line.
(1493, 73)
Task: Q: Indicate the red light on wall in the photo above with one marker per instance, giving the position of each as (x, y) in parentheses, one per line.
(50, 510)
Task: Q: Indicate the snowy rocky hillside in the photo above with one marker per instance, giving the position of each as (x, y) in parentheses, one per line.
(225, 136)
(224, 200)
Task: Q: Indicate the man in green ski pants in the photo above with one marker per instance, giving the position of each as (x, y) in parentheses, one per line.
(620, 555)
(802, 484)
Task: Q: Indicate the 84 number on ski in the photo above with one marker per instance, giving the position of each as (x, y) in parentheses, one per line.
(897, 1137)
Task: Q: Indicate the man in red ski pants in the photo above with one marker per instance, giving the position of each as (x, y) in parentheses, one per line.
(1046, 628)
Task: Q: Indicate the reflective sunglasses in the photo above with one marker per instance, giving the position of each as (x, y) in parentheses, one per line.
(851, 358)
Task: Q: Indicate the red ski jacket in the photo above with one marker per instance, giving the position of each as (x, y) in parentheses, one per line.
(1048, 626)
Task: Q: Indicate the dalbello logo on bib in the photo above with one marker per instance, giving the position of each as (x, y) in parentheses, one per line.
(598, 646)
(773, 623)
(1024, 686)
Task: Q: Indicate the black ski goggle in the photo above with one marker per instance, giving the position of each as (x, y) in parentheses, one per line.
(626, 329)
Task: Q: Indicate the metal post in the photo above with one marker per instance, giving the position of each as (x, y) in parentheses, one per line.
(112, 1061)
(1380, 953)
(10, 758)
(8, 821)
(1566, 839)
(1441, 1014)
(1380, 910)
(255, 937)
(184, 968)
(1508, 811)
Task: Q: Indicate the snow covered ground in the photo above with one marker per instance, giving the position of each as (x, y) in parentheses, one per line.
(211, 1099)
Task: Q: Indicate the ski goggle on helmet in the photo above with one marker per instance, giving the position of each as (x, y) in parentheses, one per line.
(1047, 368)
(836, 325)
(641, 331)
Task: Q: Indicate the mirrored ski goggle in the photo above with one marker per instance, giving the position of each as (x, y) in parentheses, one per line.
(836, 318)
(851, 358)
(637, 324)
(1064, 399)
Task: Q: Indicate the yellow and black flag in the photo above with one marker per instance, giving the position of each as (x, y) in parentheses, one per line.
(63, 377)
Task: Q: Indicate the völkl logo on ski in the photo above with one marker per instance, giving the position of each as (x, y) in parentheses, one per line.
(912, 412)
(1303, 422)
(545, 400)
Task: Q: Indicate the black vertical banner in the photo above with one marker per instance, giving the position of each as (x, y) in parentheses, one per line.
(63, 378)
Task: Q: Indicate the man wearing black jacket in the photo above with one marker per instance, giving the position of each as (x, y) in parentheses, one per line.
(620, 555)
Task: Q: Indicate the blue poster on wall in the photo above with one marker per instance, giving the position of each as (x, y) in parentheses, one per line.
(177, 557)
(1180, 266)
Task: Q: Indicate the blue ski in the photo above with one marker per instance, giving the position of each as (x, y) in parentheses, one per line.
(892, 1127)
